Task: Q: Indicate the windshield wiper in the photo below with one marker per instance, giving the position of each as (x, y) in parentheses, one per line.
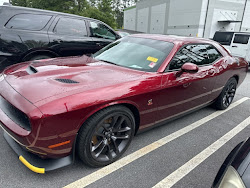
(108, 62)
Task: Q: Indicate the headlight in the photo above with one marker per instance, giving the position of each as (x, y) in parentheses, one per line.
(231, 179)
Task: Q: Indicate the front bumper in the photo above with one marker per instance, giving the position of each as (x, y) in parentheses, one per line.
(35, 163)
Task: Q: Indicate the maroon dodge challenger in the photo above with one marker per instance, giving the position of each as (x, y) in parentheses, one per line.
(52, 109)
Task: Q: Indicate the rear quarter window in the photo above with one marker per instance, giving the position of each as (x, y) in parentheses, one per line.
(33, 22)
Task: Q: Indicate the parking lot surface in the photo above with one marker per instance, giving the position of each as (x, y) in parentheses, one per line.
(186, 152)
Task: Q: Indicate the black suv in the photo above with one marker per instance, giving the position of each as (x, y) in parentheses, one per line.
(31, 34)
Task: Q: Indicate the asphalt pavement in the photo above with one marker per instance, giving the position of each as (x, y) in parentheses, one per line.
(186, 152)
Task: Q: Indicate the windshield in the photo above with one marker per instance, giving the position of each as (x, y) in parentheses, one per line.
(136, 53)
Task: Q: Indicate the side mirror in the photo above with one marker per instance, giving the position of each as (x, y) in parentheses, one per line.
(189, 68)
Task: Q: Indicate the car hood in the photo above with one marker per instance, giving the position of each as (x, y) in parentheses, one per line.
(42, 79)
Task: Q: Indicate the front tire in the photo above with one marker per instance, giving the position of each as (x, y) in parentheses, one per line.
(105, 136)
(227, 95)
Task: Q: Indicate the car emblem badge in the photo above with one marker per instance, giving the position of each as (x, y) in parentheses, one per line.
(150, 102)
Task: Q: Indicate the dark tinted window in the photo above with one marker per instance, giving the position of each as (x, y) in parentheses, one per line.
(241, 39)
(70, 26)
(34, 22)
(196, 54)
(213, 54)
(101, 31)
(223, 38)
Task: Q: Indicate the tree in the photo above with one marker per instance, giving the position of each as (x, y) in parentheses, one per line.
(108, 11)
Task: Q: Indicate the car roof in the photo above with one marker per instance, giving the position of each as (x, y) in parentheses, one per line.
(42, 11)
(174, 38)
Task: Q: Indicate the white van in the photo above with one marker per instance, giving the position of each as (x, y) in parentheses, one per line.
(237, 43)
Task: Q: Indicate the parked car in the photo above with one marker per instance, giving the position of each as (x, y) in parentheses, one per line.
(31, 34)
(237, 43)
(95, 106)
(235, 171)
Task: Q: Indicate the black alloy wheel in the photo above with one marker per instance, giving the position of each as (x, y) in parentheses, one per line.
(106, 136)
(111, 137)
(227, 95)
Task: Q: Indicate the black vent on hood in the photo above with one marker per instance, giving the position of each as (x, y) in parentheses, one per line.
(66, 81)
(31, 70)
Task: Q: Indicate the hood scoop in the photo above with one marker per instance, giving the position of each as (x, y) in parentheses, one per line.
(31, 70)
(66, 81)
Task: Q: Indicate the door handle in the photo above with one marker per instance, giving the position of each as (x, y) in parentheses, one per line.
(234, 46)
(58, 40)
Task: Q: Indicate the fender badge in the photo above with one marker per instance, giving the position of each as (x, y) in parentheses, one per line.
(150, 102)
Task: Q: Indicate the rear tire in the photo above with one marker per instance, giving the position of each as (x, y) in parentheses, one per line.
(227, 95)
(105, 136)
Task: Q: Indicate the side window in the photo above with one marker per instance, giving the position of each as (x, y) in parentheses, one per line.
(224, 38)
(70, 26)
(196, 54)
(241, 39)
(213, 53)
(101, 31)
(33, 22)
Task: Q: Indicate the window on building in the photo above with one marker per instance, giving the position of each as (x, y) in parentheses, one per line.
(70, 26)
(33, 22)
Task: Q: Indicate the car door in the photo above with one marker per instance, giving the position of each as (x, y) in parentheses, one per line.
(183, 93)
(69, 37)
(220, 75)
(101, 34)
(239, 45)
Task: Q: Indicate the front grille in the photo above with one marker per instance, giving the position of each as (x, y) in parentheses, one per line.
(15, 114)
(67, 81)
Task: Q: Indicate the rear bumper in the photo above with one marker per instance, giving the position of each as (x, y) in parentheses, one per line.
(35, 163)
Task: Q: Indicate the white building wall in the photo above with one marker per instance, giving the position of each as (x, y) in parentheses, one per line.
(200, 18)
(184, 17)
(246, 20)
(142, 20)
(220, 15)
(130, 19)
(158, 14)
(203, 17)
